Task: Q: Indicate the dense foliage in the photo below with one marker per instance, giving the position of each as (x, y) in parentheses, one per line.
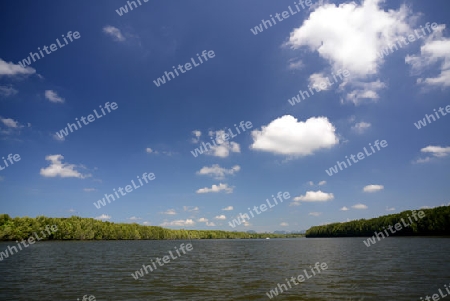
(77, 228)
(435, 222)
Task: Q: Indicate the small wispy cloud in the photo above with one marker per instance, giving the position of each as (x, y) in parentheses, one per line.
(114, 32)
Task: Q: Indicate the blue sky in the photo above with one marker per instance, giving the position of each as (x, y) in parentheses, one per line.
(250, 78)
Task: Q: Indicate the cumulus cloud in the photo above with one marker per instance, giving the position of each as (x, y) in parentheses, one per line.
(114, 32)
(11, 123)
(288, 136)
(319, 81)
(314, 196)
(197, 135)
(53, 96)
(390, 209)
(229, 208)
(361, 127)
(134, 218)
(345, 37)
(59, 169)
(210, 224)
(435, 51)
(218, 172)
(11, 69)
(169, 212)
(103, 217)
(216, 188)
(344, 209)
(202, 220)
(373, 188)
(223, 147)
(221, 217)
(435, 152)
(179, 223)
(283, 224)
(359, 206)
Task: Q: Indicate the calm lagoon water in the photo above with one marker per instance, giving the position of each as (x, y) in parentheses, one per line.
(393, 269)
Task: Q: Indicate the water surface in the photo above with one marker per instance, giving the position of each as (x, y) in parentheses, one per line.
(393, 269)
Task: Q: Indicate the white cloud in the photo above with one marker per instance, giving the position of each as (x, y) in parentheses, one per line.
(345, 37)
(344, 209)
(315, 213)
(7, 91)
(359, 206)
(53, 96)
(390, 209)
(146, 223)
(103, 216)
(180, 223)
(373, 188)
(295, 64)
(288, 136)
(190, 209)
(319, 81)
(229, 208)
(202, 220)
(134, 218)
(149, 150)
(436, 50)
(89, 189)
(11, 123)
(169, 212)
(283, 224)
(321, 183)
(314, 196)
(218, 172)
(114, 32)
(361, 127)
(197, 135)
(364, 91)
(216, 188)
(221, 217)
(11, 69)
(63, 170)
(436, 151)
(223, 147)
(210, 224)
(58, 138)
(422, 160)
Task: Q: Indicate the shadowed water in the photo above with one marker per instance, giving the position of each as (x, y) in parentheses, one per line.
(393, 269)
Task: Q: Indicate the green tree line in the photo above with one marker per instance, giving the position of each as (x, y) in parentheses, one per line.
(78, 228)
(435, 222)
